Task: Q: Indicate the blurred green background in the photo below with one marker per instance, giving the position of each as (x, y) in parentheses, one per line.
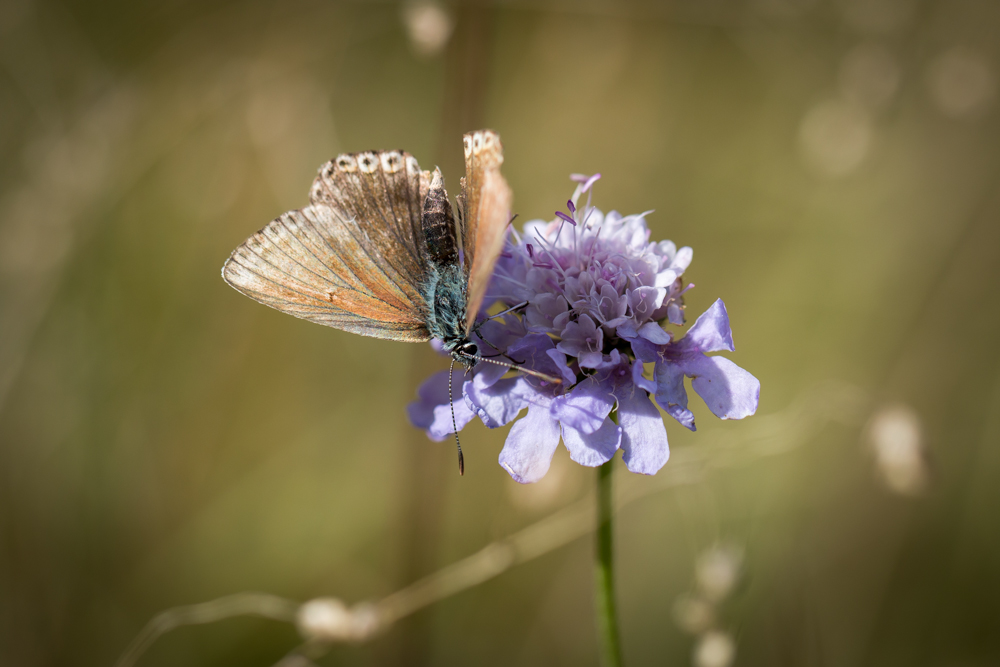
(165, 440)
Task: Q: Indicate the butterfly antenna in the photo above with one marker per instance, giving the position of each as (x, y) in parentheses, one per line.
(454, 424)
(519, 368)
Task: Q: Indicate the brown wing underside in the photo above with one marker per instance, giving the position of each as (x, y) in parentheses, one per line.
(485, 204)
(353, 259)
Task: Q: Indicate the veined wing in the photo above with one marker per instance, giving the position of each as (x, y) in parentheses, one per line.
(485, 204)
(353, 259)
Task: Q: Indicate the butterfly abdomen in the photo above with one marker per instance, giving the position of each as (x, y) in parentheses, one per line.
(445, 289)
(438, 225)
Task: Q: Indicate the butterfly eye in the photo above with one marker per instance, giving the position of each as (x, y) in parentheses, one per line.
(469, 349)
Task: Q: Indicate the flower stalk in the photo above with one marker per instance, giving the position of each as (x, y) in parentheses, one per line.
(607, 613)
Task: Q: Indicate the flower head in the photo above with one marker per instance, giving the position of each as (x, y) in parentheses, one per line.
(590, 295)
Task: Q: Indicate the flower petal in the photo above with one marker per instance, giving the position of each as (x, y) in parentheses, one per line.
(487, 374)
(592, 359)
(671, 394)
(654, 333)
(596, 448)
(499, 403)
(432, 411)
(682, 259)
(534, 351)
(559, 359)
(627, 330)
(729, 391)
(644, 437)
(639, 380)
(532, 441)
(710, 332)
(585, 408)
(442, 426)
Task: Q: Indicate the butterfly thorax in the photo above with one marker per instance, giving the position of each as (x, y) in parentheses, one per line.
(446, 319)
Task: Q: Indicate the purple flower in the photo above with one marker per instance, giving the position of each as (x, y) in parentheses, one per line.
(583, 339)
(729, 391)
(598, 294)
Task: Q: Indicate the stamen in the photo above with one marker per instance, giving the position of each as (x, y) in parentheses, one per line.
(587, 181)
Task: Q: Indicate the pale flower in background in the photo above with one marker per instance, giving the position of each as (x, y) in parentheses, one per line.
(961, 83)
(895, 436)
(330, 620)
(835, 136)
(714, 649)
(869, 75)
(428, 25)
(877, 16)
(693, 614)
(718, 570)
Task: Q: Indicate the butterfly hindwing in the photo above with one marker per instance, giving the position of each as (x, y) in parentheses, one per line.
(354, 258)
(485, 204)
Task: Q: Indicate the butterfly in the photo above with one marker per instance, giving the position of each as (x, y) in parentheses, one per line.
(378, 252)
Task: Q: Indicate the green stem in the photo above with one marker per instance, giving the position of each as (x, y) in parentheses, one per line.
(607, 617)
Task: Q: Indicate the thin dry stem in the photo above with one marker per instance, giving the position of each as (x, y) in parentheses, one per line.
(760, 438)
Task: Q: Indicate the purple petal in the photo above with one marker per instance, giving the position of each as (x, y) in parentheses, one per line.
(535, 351)
(585, 408)
(532, 441)
(487, 373)
(499, 403)
(432, 411)
(671, 394)
(596, 448)
(682, 259)
(644, 437)
(646, 351)
(710, 332)
(729, 391)
(675, 314)
(627, 330)
(639, 380)
(591, 360)
(654, 333)
(442, 426)
(559, 359)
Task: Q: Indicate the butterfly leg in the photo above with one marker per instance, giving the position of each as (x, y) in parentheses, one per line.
(520, 306)
(478, 326)
(501, 352)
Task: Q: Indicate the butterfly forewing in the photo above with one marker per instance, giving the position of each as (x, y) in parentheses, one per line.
(353, 259)
(485, 204)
